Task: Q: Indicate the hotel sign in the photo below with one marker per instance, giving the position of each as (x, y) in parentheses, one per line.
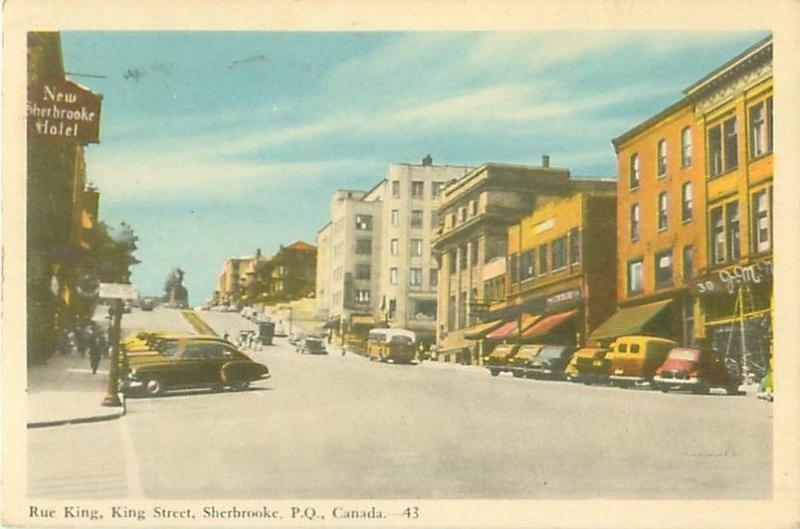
(60, 109)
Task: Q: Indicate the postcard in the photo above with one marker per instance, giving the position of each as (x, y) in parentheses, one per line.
(426, 264)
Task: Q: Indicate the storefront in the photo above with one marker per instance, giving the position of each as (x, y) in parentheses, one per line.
(736, 304)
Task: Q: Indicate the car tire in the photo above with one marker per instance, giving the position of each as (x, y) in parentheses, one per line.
(701, 389)
(240, 385)
(494, 372)
(153, 387)
(517, 374)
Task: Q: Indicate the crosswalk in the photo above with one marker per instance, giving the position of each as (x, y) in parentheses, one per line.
(78, 462)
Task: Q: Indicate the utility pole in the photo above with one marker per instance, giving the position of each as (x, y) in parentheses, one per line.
(112, 390)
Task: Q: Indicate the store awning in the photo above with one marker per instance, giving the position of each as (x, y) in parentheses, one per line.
(477, 332)
(631, 320)
(503, 331)
(362, 319)
(549, 324)
(525, 321)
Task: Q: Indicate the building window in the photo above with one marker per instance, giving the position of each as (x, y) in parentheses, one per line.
(474, 207)
(417, 189)
(395, 189)
(688, 262)
(761, 128)
(662, 158)
(559, 253)
(462, 258)
(452, 259)
(718, 236)
(364, 222)
(462, 310)
(662, 211)
(473, 253)
(395, 217)
(452, 219)
(416, 218)
(634, 171)
(416, 247)
(362, 296)
(462, 215)
(635, 276)
(732, 224)
(393, 276)
(434, 278)
(526, 266)
(762, 220)
(451, 313)
(513, 268)
(574, 246)
(722, 147)
(415, 277)
(635, 214)
(392, 308)
(363, 246)
(436, 189)
(363, 271)
(686, 147)
(687, 202)
(393, 250)
(664, 269)
(543, 260)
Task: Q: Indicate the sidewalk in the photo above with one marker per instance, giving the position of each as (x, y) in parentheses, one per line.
(64, 391)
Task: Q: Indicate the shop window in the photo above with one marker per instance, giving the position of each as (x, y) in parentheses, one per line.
(635, 214)
(733, 232)
(395, 217)
(635, 276)
(543, 260)
(762, 221)
(574, 246)
(423, 309)
(417, 189)
(663, 264)
(686, 147)
(363, 246)
(559, 253)
(434, 277)
(416, 247)
(513, 268)
(633, 170)
(761, 128)
(718, 236)
(687, 202)
(662, 158)
(688, 262)
(395, 189)
(416, 218)
(393, 276)
(393, 247)
(526, 271)
(364, 222)
(663, 219)
(415, 277)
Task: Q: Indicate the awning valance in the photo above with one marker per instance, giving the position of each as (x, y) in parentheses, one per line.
(630, 320)
(477, 332)
(549, 324)
(503, 331)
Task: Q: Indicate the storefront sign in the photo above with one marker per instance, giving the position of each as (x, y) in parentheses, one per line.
(728, 280)
(62, 110)
(118, 291)
(568, 297)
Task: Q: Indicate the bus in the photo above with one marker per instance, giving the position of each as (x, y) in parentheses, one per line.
(397, 345)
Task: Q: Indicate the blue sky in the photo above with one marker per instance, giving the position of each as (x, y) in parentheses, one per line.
(223, 142)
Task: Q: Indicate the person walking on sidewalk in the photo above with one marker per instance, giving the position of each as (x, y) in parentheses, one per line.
(95, 346)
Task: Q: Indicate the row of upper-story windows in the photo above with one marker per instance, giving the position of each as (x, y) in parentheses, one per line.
(723, 144)
(416, 218)
(663, 276)
(414, 276)
(417, 189)
(461, 214)
(725, 228)
(553, 257)
(662, 211)
(415, 247)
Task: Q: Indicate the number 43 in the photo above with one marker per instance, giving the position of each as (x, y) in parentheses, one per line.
(412, 513)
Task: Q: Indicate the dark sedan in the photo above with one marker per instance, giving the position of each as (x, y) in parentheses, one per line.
(193, 363)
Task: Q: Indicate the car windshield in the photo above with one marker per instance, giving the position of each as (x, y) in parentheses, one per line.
(168, 348)
(400, 340)
(685, 354)
(550, 352)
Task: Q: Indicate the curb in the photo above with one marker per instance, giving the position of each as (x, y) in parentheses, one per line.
(82, 420)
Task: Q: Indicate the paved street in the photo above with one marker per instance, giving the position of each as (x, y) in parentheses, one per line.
(338, 426)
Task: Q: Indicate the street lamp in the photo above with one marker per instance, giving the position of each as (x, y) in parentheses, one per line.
(112, 389)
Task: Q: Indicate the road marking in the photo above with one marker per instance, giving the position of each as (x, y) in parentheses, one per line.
(131, 461)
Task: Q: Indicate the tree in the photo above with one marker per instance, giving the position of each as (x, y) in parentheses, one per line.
(112, 252)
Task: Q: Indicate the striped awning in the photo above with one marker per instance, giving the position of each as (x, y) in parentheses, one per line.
(477, 332)
(549, 324)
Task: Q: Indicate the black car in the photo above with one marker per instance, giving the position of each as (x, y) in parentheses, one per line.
(550, 361)
(313, 345)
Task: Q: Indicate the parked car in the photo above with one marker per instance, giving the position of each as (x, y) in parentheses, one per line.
(314, 345)
(550, 362)
(498, 361)
(520, 362)
(635, 359)
(147, 304)
(193, 362)
(588, 365)
(698, 370)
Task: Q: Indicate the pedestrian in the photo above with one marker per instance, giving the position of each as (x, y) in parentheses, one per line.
(95, 346)
(225, 336)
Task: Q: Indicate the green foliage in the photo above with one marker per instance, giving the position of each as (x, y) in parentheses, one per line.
(112, 252)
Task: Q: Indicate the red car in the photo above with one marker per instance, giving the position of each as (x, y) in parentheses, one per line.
(697, 370)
